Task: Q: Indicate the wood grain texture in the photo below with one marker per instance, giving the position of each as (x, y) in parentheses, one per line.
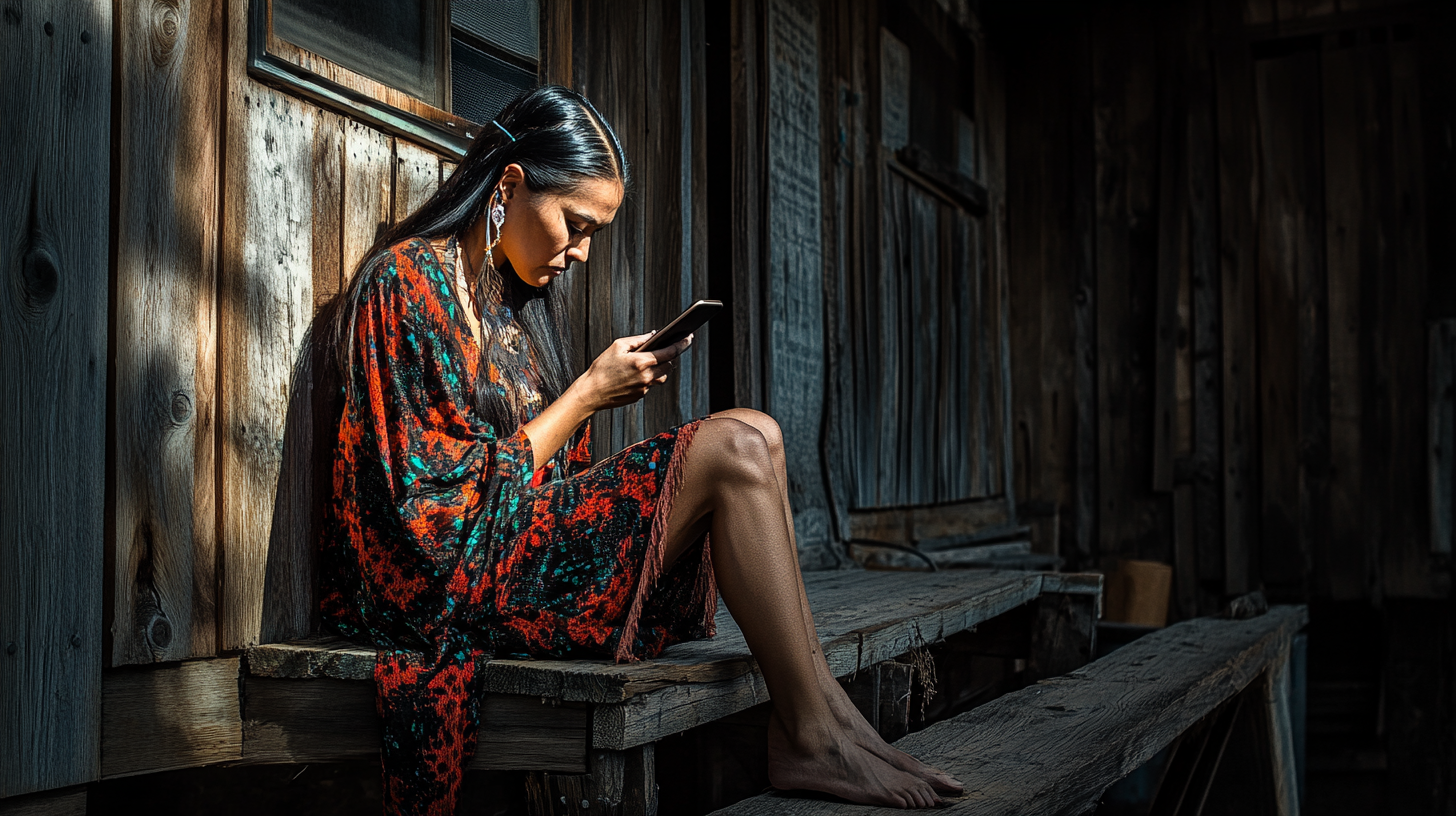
(368, 191)
(702, 681)
(1203, 248)
(795, 265)
(1293, 355)
(327, 720)
(1054, 747)
(1401, 366)
(164, 581)
(1341, 566)
(267, 288)
(616, 783)
(1441, 436)
(416, 178)
(55, 144)
(182, 715)
(65, 802)
(1238, 201)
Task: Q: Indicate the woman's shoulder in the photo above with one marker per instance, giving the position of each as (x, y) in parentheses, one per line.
(408, 269)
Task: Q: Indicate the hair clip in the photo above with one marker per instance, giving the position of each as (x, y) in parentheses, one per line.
(502, 129)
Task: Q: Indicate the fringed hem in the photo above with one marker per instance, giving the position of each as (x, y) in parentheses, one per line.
(657, 542)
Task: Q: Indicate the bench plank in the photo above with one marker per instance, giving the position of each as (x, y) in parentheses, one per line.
(329, 720)
(863, 618)
(1054, 747)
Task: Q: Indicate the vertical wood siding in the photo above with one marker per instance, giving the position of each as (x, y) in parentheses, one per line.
(165, 578)
(56, 60)
(1262, 289)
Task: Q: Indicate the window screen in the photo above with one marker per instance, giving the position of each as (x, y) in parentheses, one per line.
(494, 49)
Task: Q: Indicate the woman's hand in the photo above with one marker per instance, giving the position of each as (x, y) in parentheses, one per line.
(621, 375)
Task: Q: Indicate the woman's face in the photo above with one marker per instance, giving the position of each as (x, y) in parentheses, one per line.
(545, 232)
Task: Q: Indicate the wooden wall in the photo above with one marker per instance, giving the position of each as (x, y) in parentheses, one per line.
(869, 302)
(1227, 228)
(55, 146)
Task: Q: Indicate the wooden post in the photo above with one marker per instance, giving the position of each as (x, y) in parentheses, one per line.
(617, 783)
(56, 58)
(1064, 635)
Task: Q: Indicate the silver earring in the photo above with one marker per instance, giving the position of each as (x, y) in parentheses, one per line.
(497, 217)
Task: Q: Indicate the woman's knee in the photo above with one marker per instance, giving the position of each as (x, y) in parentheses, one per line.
(736, 452)
(766, 425)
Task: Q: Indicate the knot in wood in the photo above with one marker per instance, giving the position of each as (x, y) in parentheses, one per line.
(160, 632)
(165, 24)
(40, 278)
(181, 407)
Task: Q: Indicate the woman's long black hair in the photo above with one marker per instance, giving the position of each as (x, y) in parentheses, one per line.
(560, 140)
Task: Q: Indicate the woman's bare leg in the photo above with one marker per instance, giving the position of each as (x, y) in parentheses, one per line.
(728, 468)
(844, 711)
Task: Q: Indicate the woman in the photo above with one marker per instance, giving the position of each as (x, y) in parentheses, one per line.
(464, 521)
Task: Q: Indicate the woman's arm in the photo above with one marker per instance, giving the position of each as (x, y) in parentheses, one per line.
(619, 376)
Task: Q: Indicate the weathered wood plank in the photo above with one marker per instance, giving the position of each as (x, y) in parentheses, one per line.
(925, 614)
(326, 720)
(616, 783)
(416, 178)
(794, 376)
(1172, 252)
(164, 605)
(182, 715)
(1341, 566)
(1401, 368)
(1292, 336)
(328, 208)
(1064, 634)
(1055, 746)
(267, 304)
(1207, 339)
(368, 195)
(65, 802)
(56, 58)
(905, 525)
(1441, 453)
(1238, 204)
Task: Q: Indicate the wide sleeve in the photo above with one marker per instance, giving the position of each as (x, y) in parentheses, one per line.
(431, 472)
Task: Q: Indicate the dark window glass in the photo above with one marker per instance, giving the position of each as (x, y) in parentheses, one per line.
(395, 42)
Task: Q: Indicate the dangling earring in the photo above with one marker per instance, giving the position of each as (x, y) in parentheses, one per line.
(497, 218)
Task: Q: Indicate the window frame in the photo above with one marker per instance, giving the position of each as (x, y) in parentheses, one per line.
(282, 64)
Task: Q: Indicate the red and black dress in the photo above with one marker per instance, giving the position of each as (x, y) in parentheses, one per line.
(442, 547)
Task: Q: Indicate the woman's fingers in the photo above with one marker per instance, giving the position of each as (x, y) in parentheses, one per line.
(631, 343)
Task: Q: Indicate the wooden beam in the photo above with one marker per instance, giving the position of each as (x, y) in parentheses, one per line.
(298, 721)
(1064, 634)
(181, 715)
(56, 58)
(1055, 746)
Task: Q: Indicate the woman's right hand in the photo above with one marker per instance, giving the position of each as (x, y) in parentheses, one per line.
(621, 375)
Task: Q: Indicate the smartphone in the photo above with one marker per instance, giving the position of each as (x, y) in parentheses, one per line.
(684, 325)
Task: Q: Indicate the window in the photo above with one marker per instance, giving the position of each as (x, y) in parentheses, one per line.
(431, 70)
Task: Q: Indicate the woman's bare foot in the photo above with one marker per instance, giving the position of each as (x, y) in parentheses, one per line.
(866, 737)
(825, 759)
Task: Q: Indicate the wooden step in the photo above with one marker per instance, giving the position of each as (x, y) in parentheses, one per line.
(1054, 747)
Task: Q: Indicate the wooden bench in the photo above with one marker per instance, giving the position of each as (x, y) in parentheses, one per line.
(1214, 690)
(587, 728)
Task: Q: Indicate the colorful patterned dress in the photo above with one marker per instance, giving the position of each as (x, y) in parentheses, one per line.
(442, 548)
